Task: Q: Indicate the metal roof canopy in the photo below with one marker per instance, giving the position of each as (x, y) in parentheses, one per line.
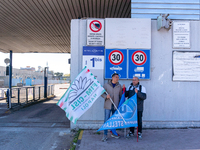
(43, 26)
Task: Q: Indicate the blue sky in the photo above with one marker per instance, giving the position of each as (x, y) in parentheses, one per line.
(58, 62)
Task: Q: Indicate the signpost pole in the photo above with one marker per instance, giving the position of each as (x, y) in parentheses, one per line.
(10, 79)
(45, 81)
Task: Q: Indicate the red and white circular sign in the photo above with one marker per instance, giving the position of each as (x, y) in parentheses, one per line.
(116, 57)
(95, 26)
(139, 58)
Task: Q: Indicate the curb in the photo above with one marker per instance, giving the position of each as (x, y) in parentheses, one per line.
(79, 140)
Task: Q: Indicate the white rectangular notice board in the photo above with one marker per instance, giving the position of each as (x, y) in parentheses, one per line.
(181, 34)
(186, 66)
(134, 33)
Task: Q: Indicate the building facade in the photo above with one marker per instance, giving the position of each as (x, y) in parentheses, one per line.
(172, 90)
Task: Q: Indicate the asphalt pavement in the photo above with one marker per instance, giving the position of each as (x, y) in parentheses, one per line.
(41, 126)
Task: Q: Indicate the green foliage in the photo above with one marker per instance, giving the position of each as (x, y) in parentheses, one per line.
(75, 140)
(59, 74)
(98, 133)
(66, 75)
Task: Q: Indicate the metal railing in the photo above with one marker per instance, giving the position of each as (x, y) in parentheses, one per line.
(25, 95)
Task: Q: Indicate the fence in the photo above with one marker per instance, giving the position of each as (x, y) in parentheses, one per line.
(29, 82)
(25, 95)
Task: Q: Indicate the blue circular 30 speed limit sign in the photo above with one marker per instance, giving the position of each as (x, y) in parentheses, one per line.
(116, 62)
(139, 63)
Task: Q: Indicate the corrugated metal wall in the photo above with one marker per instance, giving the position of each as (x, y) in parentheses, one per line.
(178, 9)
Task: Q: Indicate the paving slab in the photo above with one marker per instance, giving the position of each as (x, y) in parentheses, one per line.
(153, 139)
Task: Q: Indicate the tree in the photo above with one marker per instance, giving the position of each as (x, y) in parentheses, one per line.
(66, 75)
(58, 74)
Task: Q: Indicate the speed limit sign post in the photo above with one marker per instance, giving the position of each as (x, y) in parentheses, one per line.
(116, 61)
(139, 64)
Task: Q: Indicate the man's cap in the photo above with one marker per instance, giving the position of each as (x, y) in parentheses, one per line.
(114, 74)
(135, 77)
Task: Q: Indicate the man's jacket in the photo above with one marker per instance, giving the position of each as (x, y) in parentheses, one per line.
(141, 95)
(115, 94)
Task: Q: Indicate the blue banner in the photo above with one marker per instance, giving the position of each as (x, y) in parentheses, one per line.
(122, 100)
(128, 111)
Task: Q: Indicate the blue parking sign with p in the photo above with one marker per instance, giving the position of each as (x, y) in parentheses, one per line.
(116, 62)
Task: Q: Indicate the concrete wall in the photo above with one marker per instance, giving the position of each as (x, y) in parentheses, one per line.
(93, 118)
(169, 104)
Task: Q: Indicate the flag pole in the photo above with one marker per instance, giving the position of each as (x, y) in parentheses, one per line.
(137, 133)
(124, 128)
(124, 132)
(116, 108)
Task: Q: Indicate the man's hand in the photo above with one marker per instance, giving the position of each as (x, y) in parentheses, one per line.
(136, 90)
(108, 96)
(123, 86)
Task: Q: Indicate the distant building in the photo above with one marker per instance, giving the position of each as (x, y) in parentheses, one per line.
(25, 73)
(28, 68)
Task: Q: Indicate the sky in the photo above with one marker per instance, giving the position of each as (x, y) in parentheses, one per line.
(56, 62)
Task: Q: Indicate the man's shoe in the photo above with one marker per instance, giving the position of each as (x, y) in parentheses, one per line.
(129, 134)
(104, 138)
(139, 135)
(115, 136)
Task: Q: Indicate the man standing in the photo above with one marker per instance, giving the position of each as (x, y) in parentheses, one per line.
(133, 88)
(114, 90)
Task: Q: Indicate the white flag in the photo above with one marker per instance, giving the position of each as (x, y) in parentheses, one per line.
(81, 95)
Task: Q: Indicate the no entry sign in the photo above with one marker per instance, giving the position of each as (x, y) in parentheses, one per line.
(139, 64)
(95, 26)
(95, 32)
